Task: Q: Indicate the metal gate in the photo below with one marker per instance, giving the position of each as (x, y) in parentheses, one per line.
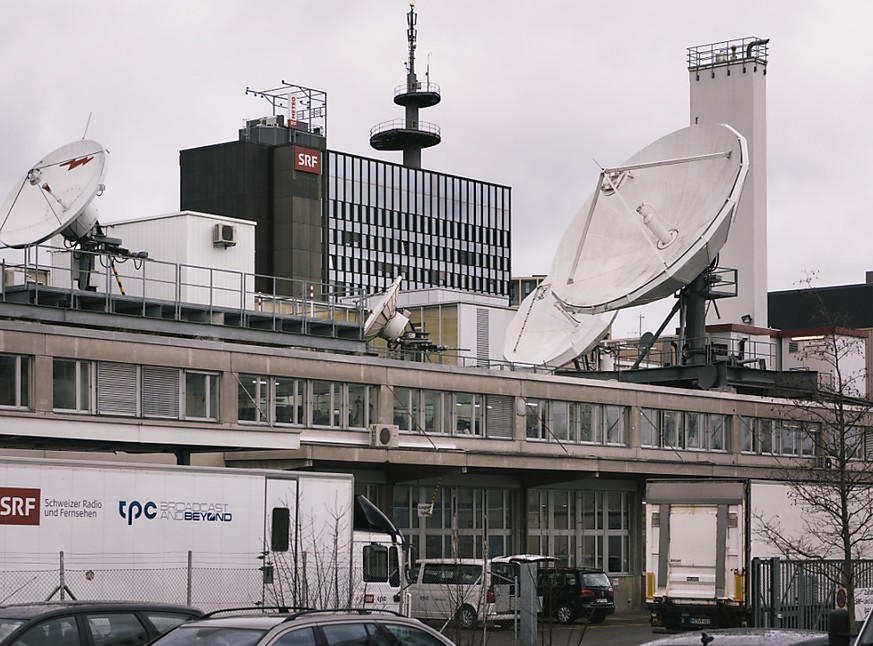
(799, 594)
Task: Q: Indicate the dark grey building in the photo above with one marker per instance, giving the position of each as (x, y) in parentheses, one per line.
(351, 221)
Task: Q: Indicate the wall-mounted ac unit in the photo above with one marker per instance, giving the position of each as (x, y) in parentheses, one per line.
(224, 234)
(384, 436)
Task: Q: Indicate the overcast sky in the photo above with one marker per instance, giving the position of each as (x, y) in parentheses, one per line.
(532, 93)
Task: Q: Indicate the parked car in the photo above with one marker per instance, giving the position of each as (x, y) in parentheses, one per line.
(461, 589)
(303, 628)
(570, 593)
(89, 623)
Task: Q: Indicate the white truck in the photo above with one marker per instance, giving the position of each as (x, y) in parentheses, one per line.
(211, 537)
(696, 552)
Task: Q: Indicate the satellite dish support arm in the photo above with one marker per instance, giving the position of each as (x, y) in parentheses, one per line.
(657, 335)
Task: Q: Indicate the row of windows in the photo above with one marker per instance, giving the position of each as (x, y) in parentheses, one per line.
(140, 391)
(351, 217)
(414, 278)
(424, 256)
(107, 388)
(434, 411)
(777, 437)
(285, 400)
(684, 430)
(576, 422)
(580, 528)
(374, 183)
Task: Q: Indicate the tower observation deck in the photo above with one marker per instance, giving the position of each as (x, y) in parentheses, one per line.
(410, 134)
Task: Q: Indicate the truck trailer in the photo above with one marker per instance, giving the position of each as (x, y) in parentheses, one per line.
(206, 536)
(696, 552)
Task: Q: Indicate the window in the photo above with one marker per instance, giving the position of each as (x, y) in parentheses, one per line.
(581, 527)
(299, 637)
(381, 565)
(14, 381)
(683, 430)
(201, 395)
(765, 436)
(62, 630)
(71, 386)
(576, 422)
(115, 628)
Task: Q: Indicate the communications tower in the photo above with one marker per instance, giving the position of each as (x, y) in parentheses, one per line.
(410, 134)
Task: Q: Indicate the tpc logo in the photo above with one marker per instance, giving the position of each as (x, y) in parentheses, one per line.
(134, 509)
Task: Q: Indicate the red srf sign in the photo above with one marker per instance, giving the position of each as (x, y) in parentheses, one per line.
(307, 160)
(19, 506)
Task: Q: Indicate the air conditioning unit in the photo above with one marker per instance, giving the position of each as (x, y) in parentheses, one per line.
(384, 436)
(224, 234)
(273, 121)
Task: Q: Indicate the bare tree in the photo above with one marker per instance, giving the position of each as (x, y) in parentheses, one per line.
(832, 424)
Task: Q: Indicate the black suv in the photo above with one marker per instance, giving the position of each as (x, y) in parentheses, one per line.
(569, 594)
(89, 623)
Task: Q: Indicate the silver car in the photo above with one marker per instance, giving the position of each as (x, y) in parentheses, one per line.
(303, 628)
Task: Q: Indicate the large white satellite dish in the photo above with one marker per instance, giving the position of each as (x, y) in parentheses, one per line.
(651, 226)
(653, 223)
(384, 319)
(55, 196)
(543, 332)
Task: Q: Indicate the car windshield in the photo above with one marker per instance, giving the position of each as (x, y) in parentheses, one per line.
(7, 626)
(210, 636)
(596, 580)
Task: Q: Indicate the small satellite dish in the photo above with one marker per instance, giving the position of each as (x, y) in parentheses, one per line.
(55, 196)
(544, 333)
(651, 226)
(384, 320)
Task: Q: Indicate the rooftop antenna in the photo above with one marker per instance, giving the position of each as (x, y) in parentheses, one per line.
(652, 226)
(87, 125)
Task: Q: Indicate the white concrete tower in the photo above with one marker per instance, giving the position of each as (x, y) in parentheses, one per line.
(728, 85)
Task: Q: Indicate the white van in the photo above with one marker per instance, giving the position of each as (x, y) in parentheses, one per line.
(466, 590)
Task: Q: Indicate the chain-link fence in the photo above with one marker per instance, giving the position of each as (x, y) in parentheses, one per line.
(207, 587)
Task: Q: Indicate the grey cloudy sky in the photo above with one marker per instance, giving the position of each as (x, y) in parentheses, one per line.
(532, 93)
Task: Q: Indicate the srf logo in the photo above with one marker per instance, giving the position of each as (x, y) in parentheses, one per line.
(132, 510)
(19, 506)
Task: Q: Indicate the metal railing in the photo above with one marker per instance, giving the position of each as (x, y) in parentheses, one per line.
(799, 594)
(751, 49)
(155, 289)
(402, 124)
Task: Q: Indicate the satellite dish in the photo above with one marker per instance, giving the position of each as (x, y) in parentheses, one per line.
(55, 196)
(384, 320)
(543, 332)
(651, 226)
(654, 223)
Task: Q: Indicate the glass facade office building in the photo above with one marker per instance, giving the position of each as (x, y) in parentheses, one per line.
(437, 230)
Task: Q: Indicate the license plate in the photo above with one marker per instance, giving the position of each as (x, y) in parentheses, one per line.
(601, 601)
(699, 621)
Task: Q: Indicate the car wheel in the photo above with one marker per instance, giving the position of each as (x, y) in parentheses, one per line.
(564, 614)
(466, 617)
(597, 619)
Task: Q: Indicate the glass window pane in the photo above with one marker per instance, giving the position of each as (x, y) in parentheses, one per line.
(8, 385)
(64, 384)
(289, 403)
(357, 406)
(321, 403)
(197, 395)
(248, 403)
